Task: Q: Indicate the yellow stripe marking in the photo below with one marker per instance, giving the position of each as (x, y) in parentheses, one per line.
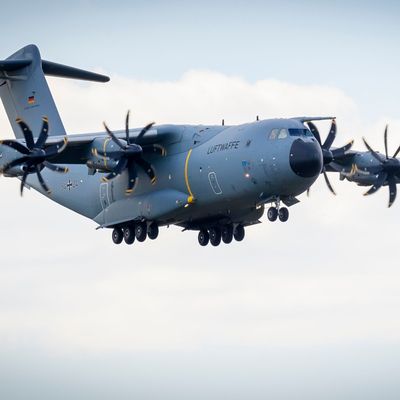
(104, 151)
(191, 197)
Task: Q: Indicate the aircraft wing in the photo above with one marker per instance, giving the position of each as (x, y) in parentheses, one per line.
(79, 146)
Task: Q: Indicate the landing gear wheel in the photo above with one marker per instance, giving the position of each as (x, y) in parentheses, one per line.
(152, 231)
(238, 234)
(203, 237)
(117, 235)
(272, 214)
(129, 234)
(141, 231)
(215, 236)
(283, 214)
(227, 234)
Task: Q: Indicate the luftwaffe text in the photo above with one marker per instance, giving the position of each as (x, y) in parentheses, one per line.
(223, 146)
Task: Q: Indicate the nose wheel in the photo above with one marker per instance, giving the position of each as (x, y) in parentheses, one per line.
(283, 214)
(276, 212)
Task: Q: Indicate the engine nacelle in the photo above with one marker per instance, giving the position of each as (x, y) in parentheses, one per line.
(101, 155)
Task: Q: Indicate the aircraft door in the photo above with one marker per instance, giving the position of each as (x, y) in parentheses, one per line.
(104, 195)
(212, 177)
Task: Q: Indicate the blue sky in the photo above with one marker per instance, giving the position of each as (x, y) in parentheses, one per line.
(352, 45)
(303, 310)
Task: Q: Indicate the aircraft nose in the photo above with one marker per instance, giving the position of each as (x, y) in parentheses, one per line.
(306, 158)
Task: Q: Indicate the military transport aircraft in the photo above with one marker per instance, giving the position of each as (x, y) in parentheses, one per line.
(213, 179)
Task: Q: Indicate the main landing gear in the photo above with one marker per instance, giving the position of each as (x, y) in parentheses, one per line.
(216, 234)
(276, 212)
(136, 231)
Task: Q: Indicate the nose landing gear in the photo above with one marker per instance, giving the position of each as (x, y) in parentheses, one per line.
(276, 212)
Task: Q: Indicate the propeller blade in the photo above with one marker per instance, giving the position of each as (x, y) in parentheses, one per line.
(331, 136)
(143, 131)
(386, 142)
(315, 132)
(392, 190)
(132, 174)
(330, 187)
(378, 184)
(341, 151)
(154, 149)
(117, 170)
(374, 153)
(27, 133)
(127, 127)
(56, 168)
(113, 137)
(44, 133)
(23, 180)
(41, 180)
(15, 145)
(397, 152)
(14, 163)
(148, 169)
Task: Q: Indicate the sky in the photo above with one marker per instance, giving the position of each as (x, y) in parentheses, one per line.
(302, 310)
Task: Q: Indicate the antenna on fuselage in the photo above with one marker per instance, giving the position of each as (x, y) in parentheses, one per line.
(257, 118)
(223, 122)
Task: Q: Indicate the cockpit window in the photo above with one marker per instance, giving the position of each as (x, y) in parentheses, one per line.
(299, 132)
(282, 133)
(277, 133)
(274, 134)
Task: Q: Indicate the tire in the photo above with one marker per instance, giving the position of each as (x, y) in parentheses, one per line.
(215, 236)
(239, 233)
(129, 234)
(203, 237)
(272, 214)
(283, 214)
(152, 231)
(141, 231)
(117, 235)
(227, 234)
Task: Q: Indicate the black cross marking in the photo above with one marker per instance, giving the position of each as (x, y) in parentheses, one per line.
(70, 185)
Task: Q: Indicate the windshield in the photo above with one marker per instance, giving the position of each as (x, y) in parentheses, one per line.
(299, 132)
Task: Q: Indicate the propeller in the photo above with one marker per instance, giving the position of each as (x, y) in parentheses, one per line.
(35, 155)
(328, 154)
(129, 155)
(390, 170)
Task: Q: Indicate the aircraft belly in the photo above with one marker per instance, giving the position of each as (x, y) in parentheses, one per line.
(157, 205)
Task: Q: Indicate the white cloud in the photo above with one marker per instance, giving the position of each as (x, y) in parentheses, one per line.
(65, 287)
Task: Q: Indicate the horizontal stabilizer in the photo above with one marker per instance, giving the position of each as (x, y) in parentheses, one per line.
(50, 68)
(64, 71)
